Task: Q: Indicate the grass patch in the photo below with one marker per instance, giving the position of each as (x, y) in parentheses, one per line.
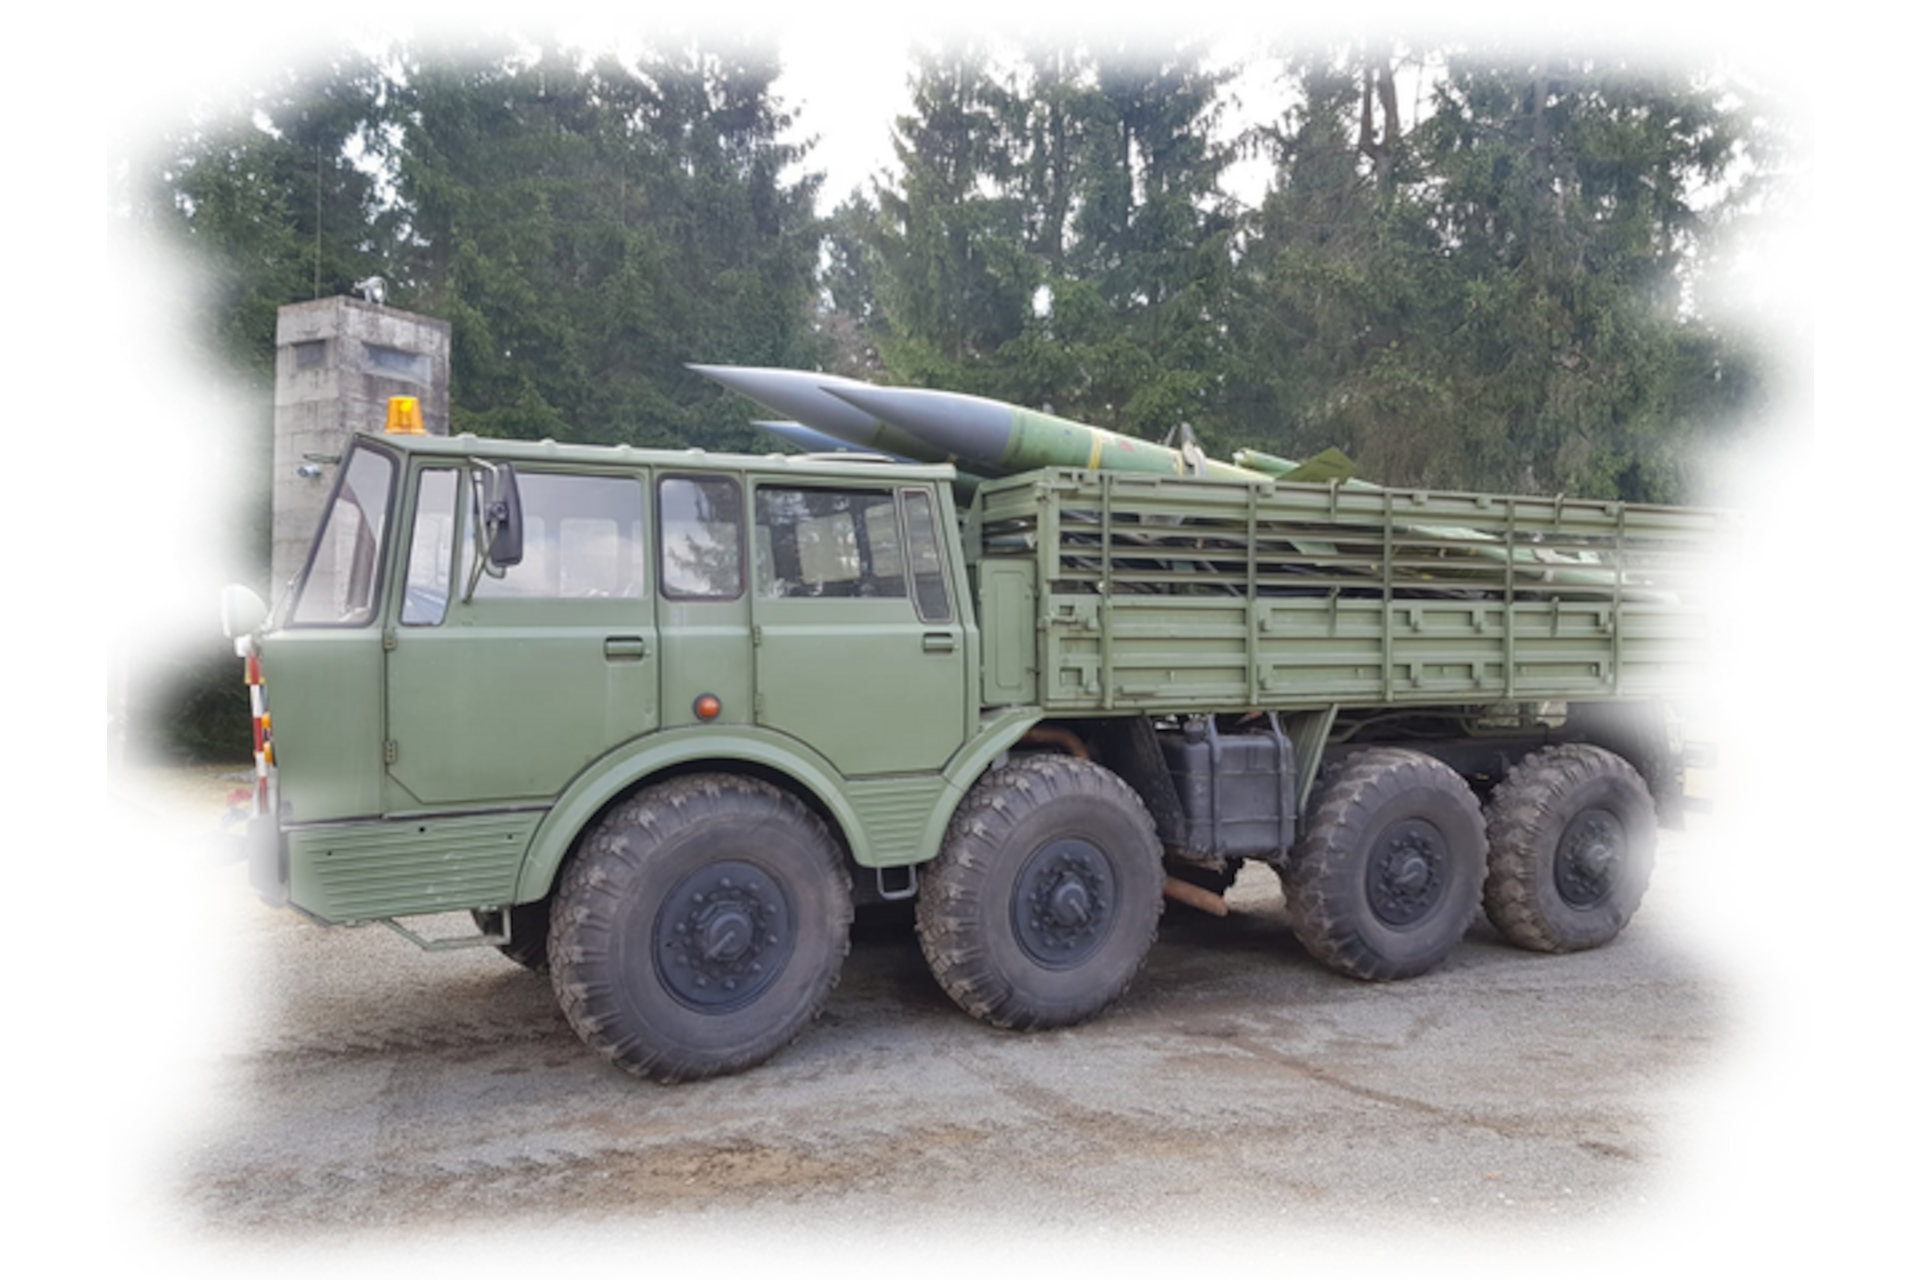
(1734, 787)
(192, 801)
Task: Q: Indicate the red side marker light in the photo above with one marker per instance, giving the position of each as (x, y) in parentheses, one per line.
(706, 707)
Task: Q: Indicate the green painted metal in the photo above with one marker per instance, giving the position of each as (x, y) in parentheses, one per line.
(328, 722)
(718, 747)
(357, 871)
(1000, 731)
(1327, 465)
(1168, 597)
(829, 671)
(1047, 438)
(1008, 592)
(898, 816)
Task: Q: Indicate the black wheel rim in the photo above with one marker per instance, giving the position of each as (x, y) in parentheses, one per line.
(1407, 872)
(1583, 863)
(723, 935)
(1063, 903)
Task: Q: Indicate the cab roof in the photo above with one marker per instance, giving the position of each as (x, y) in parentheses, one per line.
(850, 465)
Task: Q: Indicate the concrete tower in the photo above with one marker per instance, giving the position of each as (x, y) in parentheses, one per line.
(339, 361)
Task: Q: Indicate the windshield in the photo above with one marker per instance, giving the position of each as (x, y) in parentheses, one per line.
(342, 581)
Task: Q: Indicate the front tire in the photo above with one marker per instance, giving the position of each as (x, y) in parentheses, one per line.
(700, 928)
(1388, 876)
(1045, 896)
(1572, 833)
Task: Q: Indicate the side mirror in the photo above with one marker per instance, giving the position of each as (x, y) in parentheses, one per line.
(504, 525)
(241, 611)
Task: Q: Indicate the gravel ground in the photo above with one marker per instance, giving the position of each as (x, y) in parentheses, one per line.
(340, 1104)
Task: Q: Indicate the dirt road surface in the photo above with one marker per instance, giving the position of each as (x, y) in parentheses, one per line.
(340, 1104)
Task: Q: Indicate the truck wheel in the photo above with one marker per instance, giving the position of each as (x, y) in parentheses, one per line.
(529, 945)
(1571, 835)
(1387, 878)
(1045, 897)
(700, 927)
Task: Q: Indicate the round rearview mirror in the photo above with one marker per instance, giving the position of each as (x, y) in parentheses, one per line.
(241, 611)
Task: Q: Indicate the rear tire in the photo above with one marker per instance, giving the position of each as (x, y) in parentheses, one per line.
(1045, 896)
(700, 928)
(1572, 834)
(1389, 874)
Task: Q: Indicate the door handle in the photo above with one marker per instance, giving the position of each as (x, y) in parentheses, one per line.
(618, 647)
(937, 642)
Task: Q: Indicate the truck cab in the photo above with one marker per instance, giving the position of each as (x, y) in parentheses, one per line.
(484, 628)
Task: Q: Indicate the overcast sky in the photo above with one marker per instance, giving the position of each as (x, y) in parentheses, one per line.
(845, 79)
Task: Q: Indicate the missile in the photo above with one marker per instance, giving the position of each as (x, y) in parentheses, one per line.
(807, 440)
(804, 397)
(986, 438)
(994, 438)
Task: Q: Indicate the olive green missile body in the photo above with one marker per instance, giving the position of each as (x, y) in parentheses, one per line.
(1328, 464)
(992, 437)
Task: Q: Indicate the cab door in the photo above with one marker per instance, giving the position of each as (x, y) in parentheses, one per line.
(860, 652)
(507, 694)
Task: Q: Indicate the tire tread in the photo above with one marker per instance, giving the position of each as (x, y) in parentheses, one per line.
(953, 884)
(1320, 889)
(1522, 817)
(610, 866)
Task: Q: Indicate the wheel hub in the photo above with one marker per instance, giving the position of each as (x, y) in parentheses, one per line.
(1407, 872)
(1583, 864)
(721, 937)
(1063, 903)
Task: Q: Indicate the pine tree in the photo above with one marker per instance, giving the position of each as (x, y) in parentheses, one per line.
(736, 279)
(957, 281)
(1566, 193)
(323, 98)
(1146, 272)
(850, 319)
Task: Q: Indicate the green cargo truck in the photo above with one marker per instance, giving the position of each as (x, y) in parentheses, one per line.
(661, 720)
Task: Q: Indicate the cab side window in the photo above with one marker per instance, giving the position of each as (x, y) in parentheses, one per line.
(814, 543)
(429, 581)
(584, 540)
(699, 538)
(923, 558)
(342, 578)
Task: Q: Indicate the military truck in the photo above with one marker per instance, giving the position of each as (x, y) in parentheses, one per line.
(660, 720)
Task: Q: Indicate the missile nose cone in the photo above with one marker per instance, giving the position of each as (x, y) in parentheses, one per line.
(974, 430)
(799, 395)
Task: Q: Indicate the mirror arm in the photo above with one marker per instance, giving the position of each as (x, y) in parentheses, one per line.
(483, 532)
